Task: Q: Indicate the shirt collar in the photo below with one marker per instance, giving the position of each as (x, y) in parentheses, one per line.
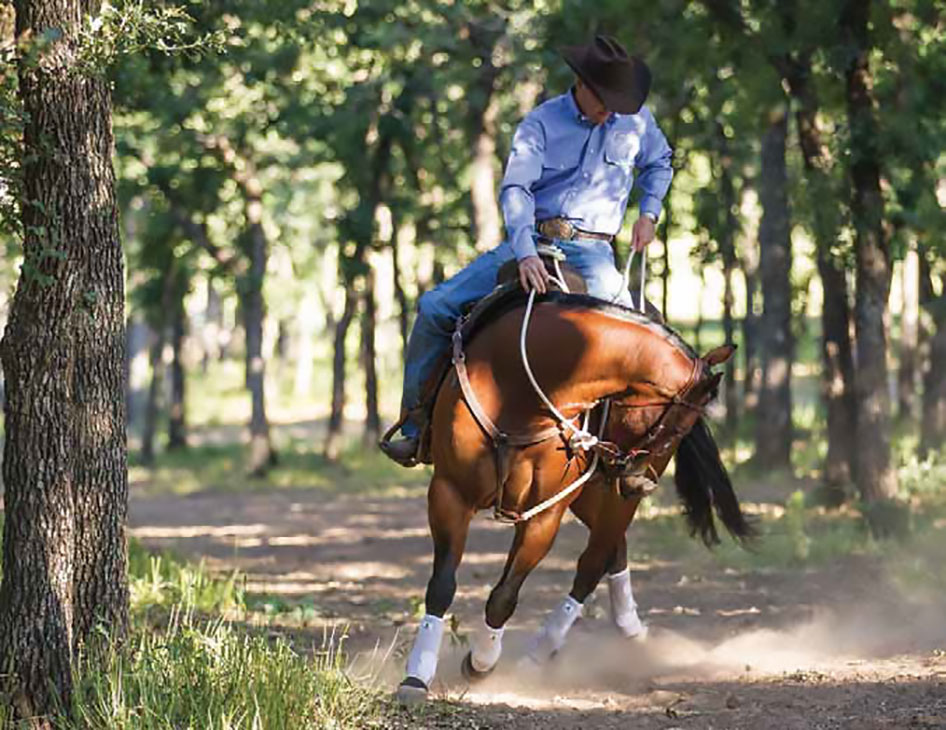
(573, 109)
(575, 112)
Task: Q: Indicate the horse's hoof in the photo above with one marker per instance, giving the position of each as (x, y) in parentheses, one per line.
(411, 692)
(638, 636)
(471, 673)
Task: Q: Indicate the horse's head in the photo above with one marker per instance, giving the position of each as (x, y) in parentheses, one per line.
(649, 423)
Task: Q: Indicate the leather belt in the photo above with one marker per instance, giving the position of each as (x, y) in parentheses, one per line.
(562, 229)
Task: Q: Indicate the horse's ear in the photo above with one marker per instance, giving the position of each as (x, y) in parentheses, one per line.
(718, 355)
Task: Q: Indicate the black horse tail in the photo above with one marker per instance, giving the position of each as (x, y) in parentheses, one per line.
(703, 486)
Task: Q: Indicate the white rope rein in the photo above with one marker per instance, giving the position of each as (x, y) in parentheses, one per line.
(626, 279)
(581, 439)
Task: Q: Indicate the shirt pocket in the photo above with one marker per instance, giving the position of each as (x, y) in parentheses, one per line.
(620, 148)
(561, 157)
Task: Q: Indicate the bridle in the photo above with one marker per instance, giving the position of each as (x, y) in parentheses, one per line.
(614, 460)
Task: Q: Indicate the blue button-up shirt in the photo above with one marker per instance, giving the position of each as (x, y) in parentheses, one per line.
(561, 165)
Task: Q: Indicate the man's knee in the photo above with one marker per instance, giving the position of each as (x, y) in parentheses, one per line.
(434, 311)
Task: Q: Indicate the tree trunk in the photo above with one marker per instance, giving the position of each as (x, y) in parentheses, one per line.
(774, 413)
(262, 456)
(874, 474)
(727, 247)
(837, 362)
(403, 310)
(484, 109)
(933, 416)
(909, 336)
(153, 405)
(177, 412)
(369, 357)
(336, 418)
(750, 328)
(64, 463)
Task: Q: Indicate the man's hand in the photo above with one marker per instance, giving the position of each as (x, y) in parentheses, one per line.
(642, 233)
(532, 274)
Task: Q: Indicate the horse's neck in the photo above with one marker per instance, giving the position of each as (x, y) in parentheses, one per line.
(625, 354)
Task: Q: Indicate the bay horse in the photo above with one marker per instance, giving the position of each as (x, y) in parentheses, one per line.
(583, 352)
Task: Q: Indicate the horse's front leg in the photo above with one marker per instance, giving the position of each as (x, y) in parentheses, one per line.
(532, 542)
(449, 516)
(606, 552)
(596, 500)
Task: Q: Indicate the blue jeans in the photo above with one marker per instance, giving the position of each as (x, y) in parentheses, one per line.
(438, 309)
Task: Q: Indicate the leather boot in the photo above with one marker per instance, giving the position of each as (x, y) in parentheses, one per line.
(402, 450)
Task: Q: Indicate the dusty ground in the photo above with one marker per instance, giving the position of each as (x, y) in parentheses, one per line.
(836, 647)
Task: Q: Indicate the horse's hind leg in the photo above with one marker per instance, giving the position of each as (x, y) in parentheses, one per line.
(532, 542)
(449, 516)
(587, 508)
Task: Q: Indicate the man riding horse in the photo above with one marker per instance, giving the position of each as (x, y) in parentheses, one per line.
(567, 182)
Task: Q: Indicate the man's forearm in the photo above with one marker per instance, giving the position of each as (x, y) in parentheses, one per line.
(519, 215)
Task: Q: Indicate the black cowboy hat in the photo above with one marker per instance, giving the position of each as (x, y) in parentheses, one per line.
(620, 80)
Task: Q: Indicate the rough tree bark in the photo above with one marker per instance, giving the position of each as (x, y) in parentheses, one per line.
(64, 465)
(774, 413)
(873, 473)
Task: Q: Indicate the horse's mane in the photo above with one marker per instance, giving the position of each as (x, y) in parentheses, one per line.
(506, 298)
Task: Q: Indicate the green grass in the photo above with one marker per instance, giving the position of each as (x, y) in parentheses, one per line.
(214, 675)
(359, 470)
(183, 666)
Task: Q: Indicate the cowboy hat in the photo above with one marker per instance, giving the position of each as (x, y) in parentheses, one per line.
(620, 80)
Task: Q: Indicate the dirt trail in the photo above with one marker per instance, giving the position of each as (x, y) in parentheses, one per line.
(828, 648)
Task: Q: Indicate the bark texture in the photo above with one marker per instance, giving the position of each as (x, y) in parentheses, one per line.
(874, 474)
(64, 467)
(774, 421)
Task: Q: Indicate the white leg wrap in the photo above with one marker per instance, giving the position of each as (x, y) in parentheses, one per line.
(485, 647)
(551, 637)
(623, 609)
(422, 661)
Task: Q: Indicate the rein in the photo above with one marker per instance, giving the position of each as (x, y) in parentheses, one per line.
(580, 440)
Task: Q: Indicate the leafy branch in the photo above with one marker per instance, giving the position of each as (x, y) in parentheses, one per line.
(133, 26)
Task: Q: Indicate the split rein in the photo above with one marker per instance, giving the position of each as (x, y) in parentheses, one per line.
(580, 438)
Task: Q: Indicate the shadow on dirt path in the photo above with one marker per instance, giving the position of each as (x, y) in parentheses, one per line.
(835, 647)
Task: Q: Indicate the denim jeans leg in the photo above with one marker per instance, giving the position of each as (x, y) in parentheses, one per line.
(594, 260)
(437, 312)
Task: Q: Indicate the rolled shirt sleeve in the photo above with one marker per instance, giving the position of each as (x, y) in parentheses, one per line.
(523, 168)
(654, 167)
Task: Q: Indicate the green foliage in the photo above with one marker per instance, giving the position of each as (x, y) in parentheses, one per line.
(134, 26)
